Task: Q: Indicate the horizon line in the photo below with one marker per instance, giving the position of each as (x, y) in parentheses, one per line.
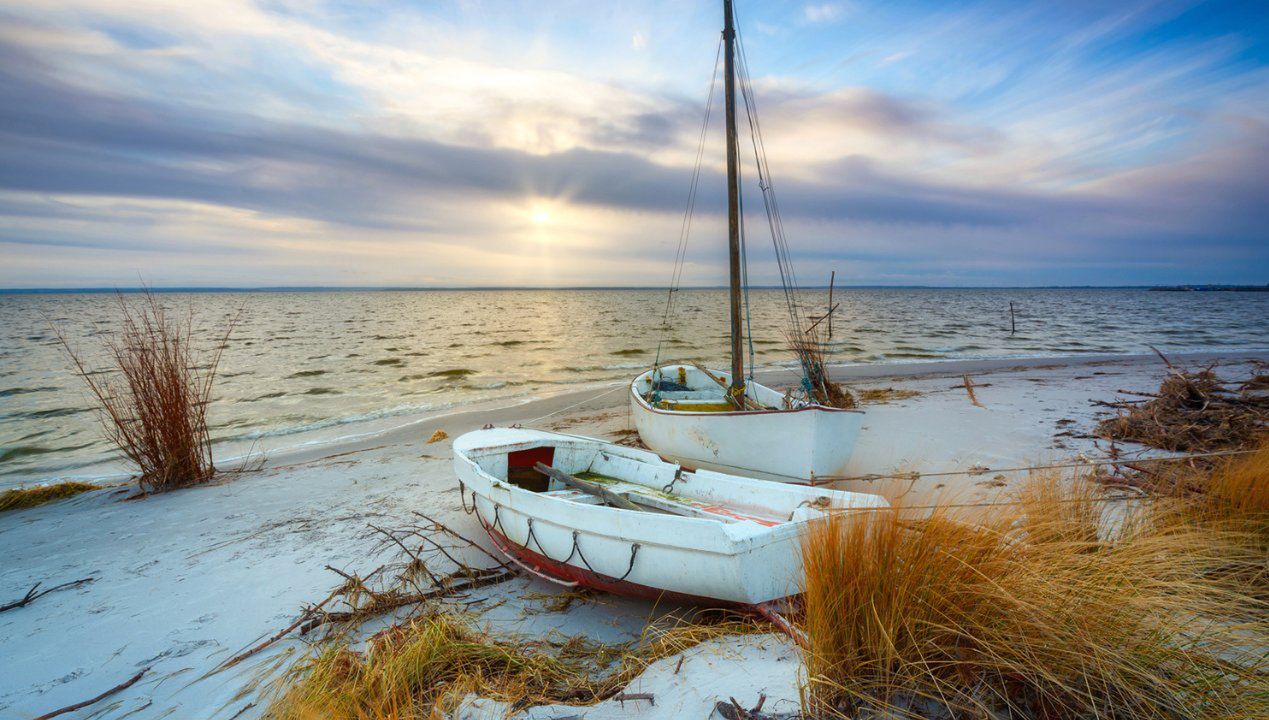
(485, 288)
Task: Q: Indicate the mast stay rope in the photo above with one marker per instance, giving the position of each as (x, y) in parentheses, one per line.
(685, 229)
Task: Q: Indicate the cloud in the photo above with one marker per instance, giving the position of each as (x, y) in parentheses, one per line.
(228, 142)
(822, 12)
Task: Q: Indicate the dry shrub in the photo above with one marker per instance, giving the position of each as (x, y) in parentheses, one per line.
(1194, 411)
(1041, 608)
(152, 396)
(18, 498)
(425, 667)
(809, 349)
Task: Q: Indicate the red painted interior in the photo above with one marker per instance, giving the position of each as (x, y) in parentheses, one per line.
(528, 458)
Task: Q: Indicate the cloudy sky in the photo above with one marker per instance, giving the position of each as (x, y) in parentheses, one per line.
(476, 143)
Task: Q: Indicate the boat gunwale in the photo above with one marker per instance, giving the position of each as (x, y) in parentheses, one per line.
(744, 537)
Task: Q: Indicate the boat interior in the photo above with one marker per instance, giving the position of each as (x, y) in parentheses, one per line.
(685, 388)
(597, 476)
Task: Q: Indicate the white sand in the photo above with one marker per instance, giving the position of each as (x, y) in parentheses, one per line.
(187, 579)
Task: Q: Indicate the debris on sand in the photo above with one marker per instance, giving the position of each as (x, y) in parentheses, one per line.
(1193, 411)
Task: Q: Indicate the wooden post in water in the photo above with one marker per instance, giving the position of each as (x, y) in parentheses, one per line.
(733, 210)
(831, 279)
(1013, 325)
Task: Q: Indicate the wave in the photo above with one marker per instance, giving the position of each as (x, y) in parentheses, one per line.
(44, 414)
(15, 452)
(10, 392)
(453, 373)
(306, 373)
(322, 391)
(266, 396)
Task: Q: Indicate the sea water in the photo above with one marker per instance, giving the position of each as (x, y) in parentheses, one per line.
(305, 367)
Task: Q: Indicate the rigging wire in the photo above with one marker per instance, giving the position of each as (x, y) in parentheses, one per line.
(685, 229)
(788, 277)
(784, 261)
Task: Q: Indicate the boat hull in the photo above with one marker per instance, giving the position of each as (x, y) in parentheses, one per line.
(581, 577)
(798, 445)
(642, 554)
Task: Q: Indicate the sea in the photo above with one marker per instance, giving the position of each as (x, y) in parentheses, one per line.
(310, 367)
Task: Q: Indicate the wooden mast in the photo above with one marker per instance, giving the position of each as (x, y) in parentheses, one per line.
(733, 210)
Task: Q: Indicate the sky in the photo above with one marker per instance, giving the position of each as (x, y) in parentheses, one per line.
(390, 143)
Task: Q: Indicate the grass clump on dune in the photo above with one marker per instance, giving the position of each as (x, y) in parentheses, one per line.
(425, 667)
(19, 498)
(1044, 608)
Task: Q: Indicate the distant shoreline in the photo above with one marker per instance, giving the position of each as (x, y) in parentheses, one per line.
(571, 288)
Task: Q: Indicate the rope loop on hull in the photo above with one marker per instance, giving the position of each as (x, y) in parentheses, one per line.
(532, 536)
(462, 498)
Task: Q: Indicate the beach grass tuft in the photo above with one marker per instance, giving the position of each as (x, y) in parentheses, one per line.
(18, 498)
(423, 668)
(1055, 605)
(154, 391)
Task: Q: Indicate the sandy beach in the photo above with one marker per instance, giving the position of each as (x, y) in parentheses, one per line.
(184, 580)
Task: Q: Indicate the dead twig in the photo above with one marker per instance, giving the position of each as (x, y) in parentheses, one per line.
(307, 614)
(118, 688)
(32, 595)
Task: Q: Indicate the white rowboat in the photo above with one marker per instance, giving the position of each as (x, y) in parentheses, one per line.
(697, 427)
(703, 537)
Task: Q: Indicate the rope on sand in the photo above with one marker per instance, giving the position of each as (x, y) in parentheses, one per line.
(576, 404)
(914, 475)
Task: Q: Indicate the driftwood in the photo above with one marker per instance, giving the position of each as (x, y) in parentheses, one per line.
(32, 595)
(609, 496)
(381, 601)
(623, 697)
(1192, 411)
(384, 602)
(118, 688)
(969, 389)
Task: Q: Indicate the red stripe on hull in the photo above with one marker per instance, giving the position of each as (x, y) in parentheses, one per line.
(586, 578)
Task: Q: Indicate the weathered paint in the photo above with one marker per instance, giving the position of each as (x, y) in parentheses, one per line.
(789, 444)
(748, 554)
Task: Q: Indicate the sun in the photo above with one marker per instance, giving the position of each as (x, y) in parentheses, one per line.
(541, 216)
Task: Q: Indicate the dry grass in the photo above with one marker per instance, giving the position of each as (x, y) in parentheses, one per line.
(880, 396)
(154, 392)
(19, 498)
(424, 668)
(1234, 501)
(1040, 609)
(1238, 491)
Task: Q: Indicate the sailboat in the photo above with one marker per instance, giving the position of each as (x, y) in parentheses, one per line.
(725, 421)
